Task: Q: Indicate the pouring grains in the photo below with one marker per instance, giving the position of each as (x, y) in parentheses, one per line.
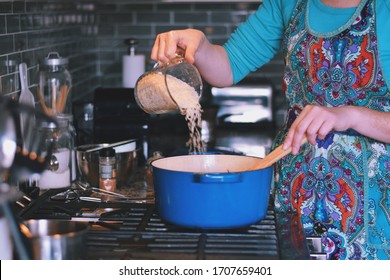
(154, 97)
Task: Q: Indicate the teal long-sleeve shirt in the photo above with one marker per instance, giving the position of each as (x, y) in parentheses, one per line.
(257, 40)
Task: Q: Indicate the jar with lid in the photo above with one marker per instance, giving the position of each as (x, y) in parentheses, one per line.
(55, 83)
(168, 87)
(107, 169)
(73, 136)
(9, 83)
(58, 173)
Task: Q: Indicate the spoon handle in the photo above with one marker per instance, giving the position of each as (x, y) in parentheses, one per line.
(23, 76)
(274, 156)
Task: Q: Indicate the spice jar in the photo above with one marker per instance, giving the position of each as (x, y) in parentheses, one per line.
(167, 87)
(107, 169)
(55, 83)
(58, 173)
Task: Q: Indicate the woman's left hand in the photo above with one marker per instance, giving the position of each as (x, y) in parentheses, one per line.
(316, 122)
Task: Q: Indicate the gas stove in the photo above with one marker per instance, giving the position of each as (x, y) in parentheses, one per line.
(134, 230)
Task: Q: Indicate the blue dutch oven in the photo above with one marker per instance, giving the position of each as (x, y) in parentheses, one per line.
(211, 191)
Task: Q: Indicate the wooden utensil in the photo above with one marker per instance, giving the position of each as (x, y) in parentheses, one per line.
(274, 156)
(57, 106)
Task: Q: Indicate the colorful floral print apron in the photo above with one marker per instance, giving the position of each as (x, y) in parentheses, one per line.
(340, 188)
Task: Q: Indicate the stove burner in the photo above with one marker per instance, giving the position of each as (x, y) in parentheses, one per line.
(135, 231)
(142, 234)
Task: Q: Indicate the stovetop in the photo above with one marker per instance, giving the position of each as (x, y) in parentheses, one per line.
(129, 230)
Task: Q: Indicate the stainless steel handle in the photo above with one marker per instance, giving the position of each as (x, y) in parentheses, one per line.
(314, 244)
(318, 256)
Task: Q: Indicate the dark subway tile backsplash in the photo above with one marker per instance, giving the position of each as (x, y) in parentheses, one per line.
(13, 23)
(2, 25)
(29, 30)
(18, 6)
(6, 7)
(6, 44)
(91, 34)
(192, 17)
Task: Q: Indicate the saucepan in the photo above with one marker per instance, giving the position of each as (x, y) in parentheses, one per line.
(55, 239)
(214, 191)
(211, 191)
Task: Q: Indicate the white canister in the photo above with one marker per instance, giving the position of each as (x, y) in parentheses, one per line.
(58, 174)
(133, 65)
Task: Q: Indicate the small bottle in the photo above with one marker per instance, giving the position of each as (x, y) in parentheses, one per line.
(107, 169)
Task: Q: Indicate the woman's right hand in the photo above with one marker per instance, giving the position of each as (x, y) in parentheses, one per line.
(186, 41)
(211, 60)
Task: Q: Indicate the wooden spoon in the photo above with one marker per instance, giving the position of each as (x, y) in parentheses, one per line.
(274, 156)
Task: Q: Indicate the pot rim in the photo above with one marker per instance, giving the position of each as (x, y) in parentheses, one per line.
(85, 148)
(79, 228)
(251, 159)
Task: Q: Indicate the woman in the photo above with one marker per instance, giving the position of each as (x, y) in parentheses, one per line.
(339, 98)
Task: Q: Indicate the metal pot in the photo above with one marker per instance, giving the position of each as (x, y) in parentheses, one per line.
(88, 163)
(211, 191)
(55, 240)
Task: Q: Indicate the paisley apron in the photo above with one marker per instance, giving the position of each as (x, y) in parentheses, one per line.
(340, 188)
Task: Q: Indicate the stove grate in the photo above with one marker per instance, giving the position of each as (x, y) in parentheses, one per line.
(142, 234)
(136, 231)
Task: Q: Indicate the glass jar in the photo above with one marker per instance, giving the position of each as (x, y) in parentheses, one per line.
(9, 83)
(73, 137)
(167, 86)
(58, 173)
(55, 83)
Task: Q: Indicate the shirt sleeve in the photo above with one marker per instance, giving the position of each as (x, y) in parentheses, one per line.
(258, 39)
(383, 26)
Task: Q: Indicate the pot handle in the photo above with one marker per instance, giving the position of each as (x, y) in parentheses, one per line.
(218, 178)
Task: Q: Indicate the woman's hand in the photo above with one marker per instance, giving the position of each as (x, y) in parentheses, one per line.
(186, 41)
(317, 122)
(211, 60)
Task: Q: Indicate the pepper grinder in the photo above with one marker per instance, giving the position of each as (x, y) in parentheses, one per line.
(133, 65)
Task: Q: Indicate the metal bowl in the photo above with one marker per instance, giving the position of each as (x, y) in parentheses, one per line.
(88, 163)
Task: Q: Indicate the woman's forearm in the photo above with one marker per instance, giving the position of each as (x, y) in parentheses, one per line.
(371, 123)
(213, 64)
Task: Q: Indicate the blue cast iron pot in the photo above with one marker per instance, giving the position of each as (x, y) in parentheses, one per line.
(211, 191)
